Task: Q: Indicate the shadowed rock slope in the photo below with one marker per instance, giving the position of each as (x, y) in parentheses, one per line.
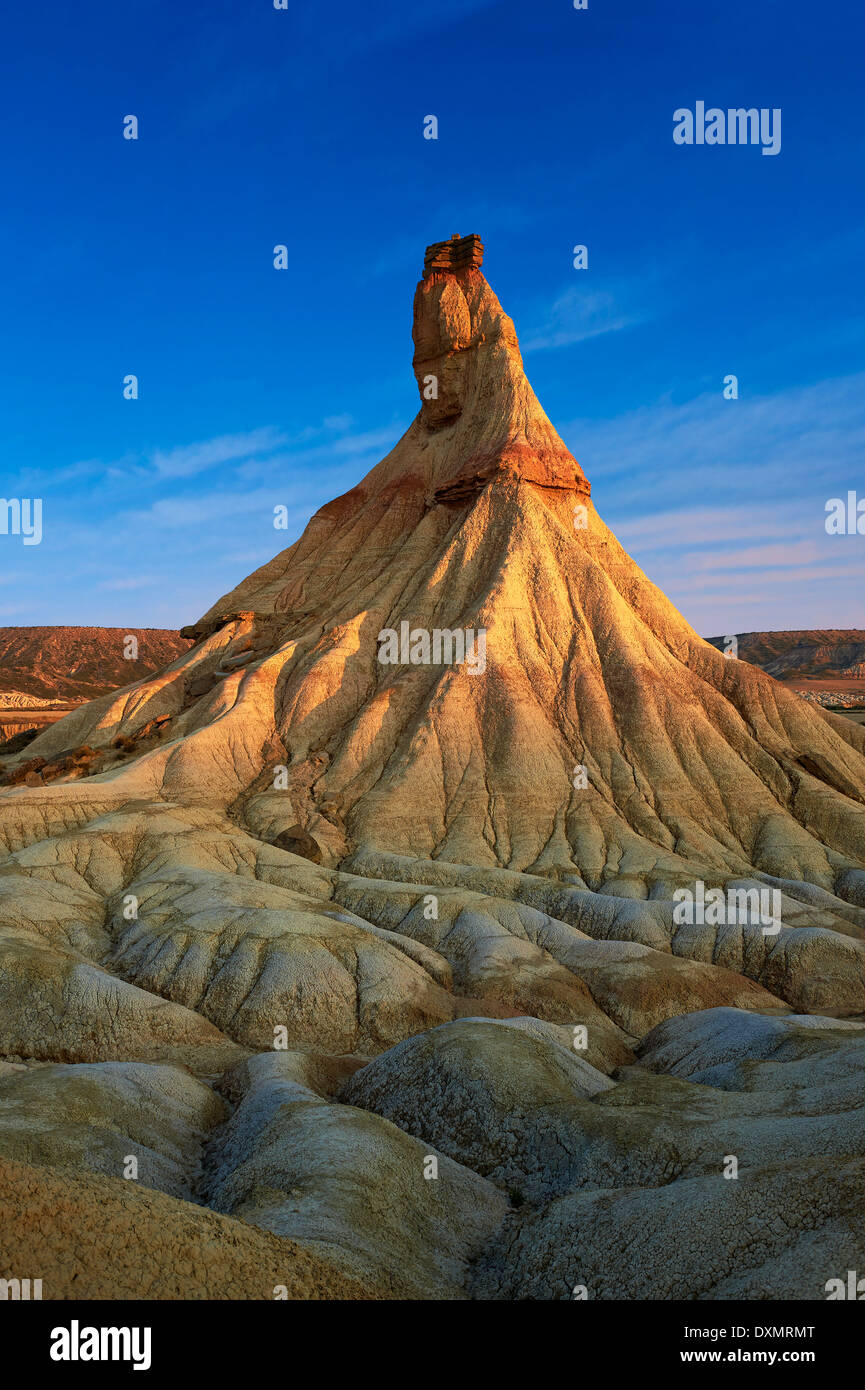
(382, 957)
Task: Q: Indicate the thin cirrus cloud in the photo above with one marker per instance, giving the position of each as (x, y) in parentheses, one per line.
(203, 489)
(191, 459)
(202, 508)
(788, 598)
(263, 452)
(723, 503)
(363, 448)
(711, 526)
(130, 583)
(779, 556)
(775, 447)
(788, 594)
(575, 316)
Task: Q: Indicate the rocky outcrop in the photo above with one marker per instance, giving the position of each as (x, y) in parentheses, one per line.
(383, 959)
(351, 1185)
(127, 1120)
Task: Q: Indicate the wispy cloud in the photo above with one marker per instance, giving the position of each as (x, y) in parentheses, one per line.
(364, 448)
(130, 583)
(201, 509)
(191, 459)
(723, 503)
(575, 316)
(710, 525)
(776, 448)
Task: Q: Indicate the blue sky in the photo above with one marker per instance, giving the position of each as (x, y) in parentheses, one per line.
(304, 127)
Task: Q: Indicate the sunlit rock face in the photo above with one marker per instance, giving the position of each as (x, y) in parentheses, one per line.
(388, 912)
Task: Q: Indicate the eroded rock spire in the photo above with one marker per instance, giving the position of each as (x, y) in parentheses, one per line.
(475, 396)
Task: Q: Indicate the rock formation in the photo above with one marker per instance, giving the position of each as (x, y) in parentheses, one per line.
(46, 671)
(306, 924)
(800, 655)
(73, 664)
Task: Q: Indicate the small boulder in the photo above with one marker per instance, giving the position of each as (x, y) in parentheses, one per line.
(299, 841)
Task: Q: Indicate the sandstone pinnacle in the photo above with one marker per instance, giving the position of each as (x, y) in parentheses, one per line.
(426, 909)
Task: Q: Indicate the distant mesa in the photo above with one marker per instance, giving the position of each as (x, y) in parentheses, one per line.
(825, 653)
(46, 671)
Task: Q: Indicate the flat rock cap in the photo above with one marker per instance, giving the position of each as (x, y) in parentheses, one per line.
(460, 253)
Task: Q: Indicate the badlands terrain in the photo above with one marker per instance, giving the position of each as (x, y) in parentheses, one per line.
(827, 667)
(810, 655)
(47, 671)
(327, 976)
